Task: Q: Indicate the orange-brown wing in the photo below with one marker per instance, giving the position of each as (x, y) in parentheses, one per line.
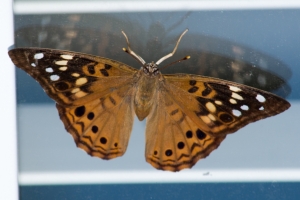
(173, 140)
(93, 95)
(193, 114)
(72, 78)
(101, 127)
(221, 106)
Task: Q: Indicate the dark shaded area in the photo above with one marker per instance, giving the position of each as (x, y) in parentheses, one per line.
(232, 191)
(152, 38)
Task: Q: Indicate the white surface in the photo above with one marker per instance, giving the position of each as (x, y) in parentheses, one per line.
(37, 7)
(8, 147)
(197, 176)
(264, 151)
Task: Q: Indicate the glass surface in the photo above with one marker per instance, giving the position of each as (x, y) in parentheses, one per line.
(254, 47)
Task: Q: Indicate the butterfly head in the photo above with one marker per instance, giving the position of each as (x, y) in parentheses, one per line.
(150, 69)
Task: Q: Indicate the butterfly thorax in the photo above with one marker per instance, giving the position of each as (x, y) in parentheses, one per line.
(147, 85)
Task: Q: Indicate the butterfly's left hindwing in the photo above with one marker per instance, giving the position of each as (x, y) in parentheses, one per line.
(173, 140)
(93, 96)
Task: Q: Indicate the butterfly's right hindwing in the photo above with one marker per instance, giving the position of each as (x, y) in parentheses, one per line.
(102, 126)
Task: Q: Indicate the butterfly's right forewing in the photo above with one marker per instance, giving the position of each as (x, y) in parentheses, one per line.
(72, 78)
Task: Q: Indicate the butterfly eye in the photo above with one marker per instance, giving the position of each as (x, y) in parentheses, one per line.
(150, 69)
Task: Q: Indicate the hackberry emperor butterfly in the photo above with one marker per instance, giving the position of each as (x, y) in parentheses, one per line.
(188, 116)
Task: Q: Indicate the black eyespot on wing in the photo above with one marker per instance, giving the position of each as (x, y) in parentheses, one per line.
(91, 116)
(189, 134)
(91, 69)
(180, 145)
(200, 134)
(95, 129)
(103, 140)
(79, 111)
(193, 89)
(193, 82)
(104, 72)
(61, 86)
(207, 90)
(107, 66)
(169, 152)
(226, 118)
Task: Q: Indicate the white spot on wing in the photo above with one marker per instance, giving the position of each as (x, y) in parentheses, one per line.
(54, 77)
(205, 119)
(261, 108)
(75, 75)
(244, 107)
(49, 70)
(232, 101)
(81, 81)
(211, 107)
(218, 102)
(260, 98)
(75, 90)
(64, 68)
(61, 62)
(237, 96)
(67, 57)
(234, 89)
(80, 94)
(33, 65)
(38, 56)
(210, 116)
(236, 113)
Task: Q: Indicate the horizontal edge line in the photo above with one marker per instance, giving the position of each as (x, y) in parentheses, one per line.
(123, 177)
(37, 7)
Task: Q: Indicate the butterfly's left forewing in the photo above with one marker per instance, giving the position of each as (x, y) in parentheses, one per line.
(93, 96)
(221, 106)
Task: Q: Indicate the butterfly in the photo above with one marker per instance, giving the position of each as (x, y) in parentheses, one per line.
(188, 116)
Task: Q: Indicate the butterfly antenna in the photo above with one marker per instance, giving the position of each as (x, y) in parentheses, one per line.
(177, 61)
(130, 52)
(174, 50)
